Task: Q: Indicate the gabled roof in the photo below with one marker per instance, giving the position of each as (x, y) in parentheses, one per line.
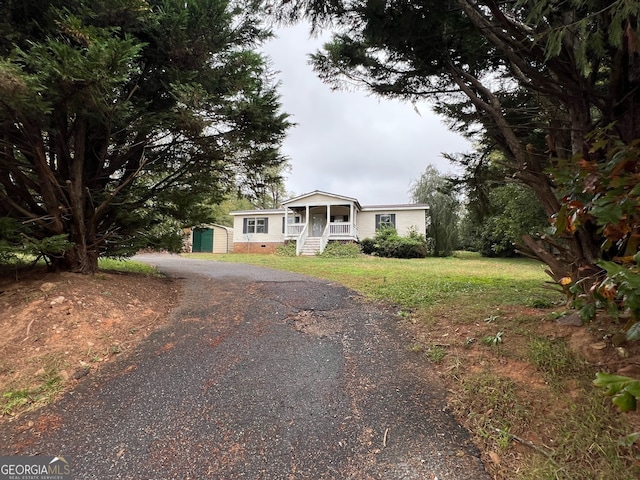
(319, 192)
(342, 198)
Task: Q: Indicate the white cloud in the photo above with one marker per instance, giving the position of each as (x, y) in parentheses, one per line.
(348, 142)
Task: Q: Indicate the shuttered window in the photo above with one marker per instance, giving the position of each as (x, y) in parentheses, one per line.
(385, 220)
(255, 225)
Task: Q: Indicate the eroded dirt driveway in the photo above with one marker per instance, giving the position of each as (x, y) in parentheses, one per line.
(261, 375)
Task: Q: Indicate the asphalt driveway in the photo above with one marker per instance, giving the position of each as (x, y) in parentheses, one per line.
(263, 375)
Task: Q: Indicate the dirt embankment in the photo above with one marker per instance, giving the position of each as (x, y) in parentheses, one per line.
(58, 327)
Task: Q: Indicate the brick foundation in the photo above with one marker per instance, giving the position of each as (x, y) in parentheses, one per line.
(255, 247)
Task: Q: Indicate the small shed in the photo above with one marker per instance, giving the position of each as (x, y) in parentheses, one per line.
(210, 238)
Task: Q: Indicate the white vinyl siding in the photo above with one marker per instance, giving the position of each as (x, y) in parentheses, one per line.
(405, 221)
(271, 232)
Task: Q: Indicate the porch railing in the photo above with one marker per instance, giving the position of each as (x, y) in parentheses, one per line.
(302, 238)
(325, 238)
(295, 229)
(337, 229)
(340, 229)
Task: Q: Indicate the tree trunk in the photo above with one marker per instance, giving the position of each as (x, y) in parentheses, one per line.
(79, 258)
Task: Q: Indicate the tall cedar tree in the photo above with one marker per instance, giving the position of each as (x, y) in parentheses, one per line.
(534, 78)
(119, 119)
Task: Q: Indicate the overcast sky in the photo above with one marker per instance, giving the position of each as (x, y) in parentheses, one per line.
(351, 143)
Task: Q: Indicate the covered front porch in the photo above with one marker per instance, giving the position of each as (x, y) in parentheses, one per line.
(312, 221)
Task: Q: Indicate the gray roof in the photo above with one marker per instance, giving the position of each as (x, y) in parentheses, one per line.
(265, 211)
(397, 206)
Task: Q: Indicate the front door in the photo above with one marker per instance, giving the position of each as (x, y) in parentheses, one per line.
(318, 222)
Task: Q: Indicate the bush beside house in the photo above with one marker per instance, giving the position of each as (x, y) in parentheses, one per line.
(387, 243)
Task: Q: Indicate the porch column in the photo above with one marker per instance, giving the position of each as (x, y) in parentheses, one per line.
(352, 221)
(286, 224)
(306, 219)
(329, 216)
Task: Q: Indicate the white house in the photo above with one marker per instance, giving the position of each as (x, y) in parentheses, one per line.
(314, 219)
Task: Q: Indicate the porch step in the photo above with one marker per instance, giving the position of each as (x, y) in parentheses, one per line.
(311, 246)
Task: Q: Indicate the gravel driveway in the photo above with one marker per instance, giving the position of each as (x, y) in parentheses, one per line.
(264, 374)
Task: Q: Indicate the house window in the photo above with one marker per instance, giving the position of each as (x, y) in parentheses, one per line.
(385, 220)
(339, 218)
(255, 225)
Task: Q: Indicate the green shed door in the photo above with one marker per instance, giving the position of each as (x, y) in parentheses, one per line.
(202, 240)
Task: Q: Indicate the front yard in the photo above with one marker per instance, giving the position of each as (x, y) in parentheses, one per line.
(516, 377)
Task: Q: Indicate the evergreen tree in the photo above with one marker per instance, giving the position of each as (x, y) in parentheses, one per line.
(122, 120)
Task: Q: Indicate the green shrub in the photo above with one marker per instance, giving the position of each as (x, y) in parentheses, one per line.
(387, 243)
(368, 246)
(341, 250)
(286, 250)
(407, 247)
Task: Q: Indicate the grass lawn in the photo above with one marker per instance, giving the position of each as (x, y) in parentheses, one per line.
(420, 282)
(112, 264)
(515, 377)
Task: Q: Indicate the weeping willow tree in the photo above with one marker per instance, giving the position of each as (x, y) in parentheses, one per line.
(433, 189)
